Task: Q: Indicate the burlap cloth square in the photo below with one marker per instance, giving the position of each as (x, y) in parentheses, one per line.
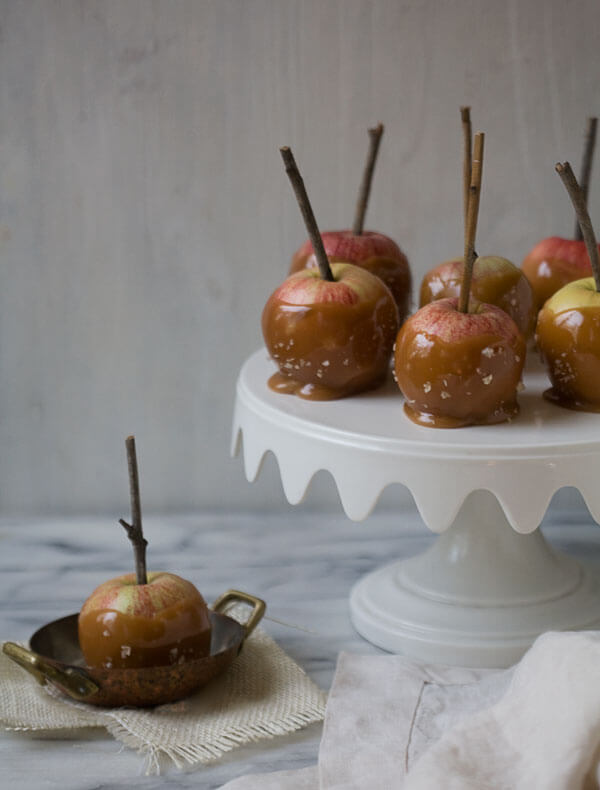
(262, 694)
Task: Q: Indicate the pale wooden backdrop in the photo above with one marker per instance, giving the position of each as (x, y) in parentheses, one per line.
(145, 216)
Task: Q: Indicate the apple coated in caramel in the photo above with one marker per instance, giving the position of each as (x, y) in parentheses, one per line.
(124, 625)
(372, 251)
(568, 336)
(330, 339)
(457, 369)
(495, 281)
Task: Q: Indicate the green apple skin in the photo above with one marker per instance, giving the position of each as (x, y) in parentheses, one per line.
(125, 625)
(568, 337)
(330, 339)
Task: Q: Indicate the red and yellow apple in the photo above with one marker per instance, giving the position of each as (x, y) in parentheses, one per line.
(126, 625)
(553, 263)
(568, 336)
(495, 281)
(372, 251)
(330, 339)
(457, 369)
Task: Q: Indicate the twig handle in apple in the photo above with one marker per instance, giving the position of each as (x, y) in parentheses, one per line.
(465, 117)
(586, 167)
(134, 530)
(579, 204)
(471, 230)
(291, 168)
(375, 135)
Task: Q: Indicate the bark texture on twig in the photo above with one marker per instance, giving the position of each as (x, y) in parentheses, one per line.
(471, 231)
(134, 530)
(579, 204)
(586, 167)
(365, 186)
(291, 168)
(465, 116)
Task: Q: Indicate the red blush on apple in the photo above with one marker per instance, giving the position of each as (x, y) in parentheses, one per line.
(123, 625)
(376, 253)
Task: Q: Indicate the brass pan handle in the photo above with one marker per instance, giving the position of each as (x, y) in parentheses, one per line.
(236, 596)
(72, 679)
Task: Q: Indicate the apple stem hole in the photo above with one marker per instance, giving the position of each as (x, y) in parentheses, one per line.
(362, 202)
(291, 168)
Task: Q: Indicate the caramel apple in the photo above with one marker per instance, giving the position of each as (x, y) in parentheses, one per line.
(556, 261)
(568, 337)
(457, 369)
(459, 362)
(330, 339)
(495, 281)
(330, 330)
(125, 625)
(568, 327)
(143, 619)
(370, 250)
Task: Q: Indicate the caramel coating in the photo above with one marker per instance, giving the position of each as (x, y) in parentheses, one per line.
(495, 281)
(570, 345)
(376, 253)
(330, 349)
(111, 639)
(468, 374)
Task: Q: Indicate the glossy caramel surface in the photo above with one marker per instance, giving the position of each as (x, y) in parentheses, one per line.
(58, 642)
(473, 380)
(569, 342)
(506, 287)
(328, 350)
(111, 639)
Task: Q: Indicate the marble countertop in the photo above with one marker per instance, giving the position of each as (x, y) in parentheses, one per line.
(303, 564)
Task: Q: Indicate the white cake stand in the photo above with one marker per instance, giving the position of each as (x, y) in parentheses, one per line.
(483, 592)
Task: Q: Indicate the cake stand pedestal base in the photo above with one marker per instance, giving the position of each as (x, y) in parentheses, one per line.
(478, 597)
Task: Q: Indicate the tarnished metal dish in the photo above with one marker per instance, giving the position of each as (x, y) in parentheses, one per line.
(55, 657)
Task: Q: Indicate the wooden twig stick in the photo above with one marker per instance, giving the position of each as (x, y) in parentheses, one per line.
(465, 116)
(291, 168)
(578, 200)
(365, 185)
(586, 167)
(474, 193)
(134, 530)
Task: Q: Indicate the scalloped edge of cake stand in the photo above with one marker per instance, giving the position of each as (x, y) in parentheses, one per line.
(522, 473)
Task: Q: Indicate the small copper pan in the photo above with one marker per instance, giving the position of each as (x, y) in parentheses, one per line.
(55, 657)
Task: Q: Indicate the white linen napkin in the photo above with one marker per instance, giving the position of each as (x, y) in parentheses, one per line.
(391, 723)
(544, 732)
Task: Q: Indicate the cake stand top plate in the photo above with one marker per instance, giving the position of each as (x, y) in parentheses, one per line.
(367, 443)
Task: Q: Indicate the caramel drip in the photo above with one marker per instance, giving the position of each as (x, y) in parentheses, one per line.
(113, 640)
(473, 381)
(330, 350)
